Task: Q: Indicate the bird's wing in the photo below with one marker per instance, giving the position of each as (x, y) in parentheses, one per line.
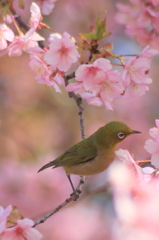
(81, 152)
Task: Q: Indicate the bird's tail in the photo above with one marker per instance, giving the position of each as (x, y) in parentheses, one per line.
(46, 166)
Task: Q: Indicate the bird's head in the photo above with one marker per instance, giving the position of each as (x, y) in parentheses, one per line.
(114, 132)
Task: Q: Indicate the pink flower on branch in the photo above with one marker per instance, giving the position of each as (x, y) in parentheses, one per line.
(36, 17)
(97, 83)
(46, 6)
(24, 43)
(6, 34)
(62, 53)
(141, 20)
(4, 213)
(126, 158)
(135, 71)
(45, 74)
(22, 230)
(152, 146)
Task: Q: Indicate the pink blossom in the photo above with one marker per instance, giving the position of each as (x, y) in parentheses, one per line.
(127, 14)
(44, 71)
(24, 43)
(154, 132)
(62, 53)
(127, 159)
(22, 230)
(135, 70)
(141, 20)
(46, 6)
(142, 37)
(134, 74)
(97, 83)
(52, 36)
(91, 74)
(36, 17)
(152, 146)
(6, 34)
(135, 204)
(4, 213)
(7, 19)
(148, 52)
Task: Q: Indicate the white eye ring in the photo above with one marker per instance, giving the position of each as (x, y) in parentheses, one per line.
(121, 135)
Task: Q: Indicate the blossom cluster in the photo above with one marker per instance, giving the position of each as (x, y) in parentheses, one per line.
(14, 226)
(136, 195)
(99, 84)
(96, 81)
(141, 20)
(135, 190)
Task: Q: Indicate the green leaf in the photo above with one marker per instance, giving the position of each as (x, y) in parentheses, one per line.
(90, 35)
(100, 30)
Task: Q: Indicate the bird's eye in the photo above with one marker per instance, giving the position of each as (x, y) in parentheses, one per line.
(121, 135)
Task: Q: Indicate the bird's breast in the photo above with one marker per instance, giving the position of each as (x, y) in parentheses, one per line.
(92, 167)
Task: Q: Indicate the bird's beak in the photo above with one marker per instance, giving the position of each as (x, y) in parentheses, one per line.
(134, 131)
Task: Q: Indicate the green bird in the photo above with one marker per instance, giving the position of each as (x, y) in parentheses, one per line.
(94, 154)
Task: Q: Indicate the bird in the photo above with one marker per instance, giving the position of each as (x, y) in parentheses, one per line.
(94, 154)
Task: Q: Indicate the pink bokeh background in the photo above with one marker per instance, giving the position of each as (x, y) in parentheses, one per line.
(37, 124)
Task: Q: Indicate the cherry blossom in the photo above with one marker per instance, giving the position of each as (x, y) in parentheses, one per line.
(36, 17)
(6, 34)
(127, 159)
(134, 73)
(4, 213)
(148, 52)
(141, 20)
(24, 43)
(91, 74)
(46, 6)
(22, 230)
(133, 217)
(154, 132)
(45, 73)
(52, 36)
(62, 53)
(152, 146)
(7, 19)
(97, 83)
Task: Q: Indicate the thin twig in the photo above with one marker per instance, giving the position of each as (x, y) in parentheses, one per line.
(140, 162)
(45, 217)
(66, 202)
(78, 101)
(82, 178)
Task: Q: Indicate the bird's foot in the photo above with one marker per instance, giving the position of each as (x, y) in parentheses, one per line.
(75, 195)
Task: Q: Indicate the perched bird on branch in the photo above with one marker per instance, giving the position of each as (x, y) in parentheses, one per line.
(94, 154)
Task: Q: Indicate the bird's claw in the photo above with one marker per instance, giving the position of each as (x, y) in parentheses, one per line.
(75, 195)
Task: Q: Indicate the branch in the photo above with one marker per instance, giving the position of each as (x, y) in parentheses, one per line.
(73, 197)
(66, 202)
(78, 101)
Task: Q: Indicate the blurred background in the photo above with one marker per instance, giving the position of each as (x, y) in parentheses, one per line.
(37, 124)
